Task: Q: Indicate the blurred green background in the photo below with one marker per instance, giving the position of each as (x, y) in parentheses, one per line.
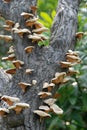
(73, 95)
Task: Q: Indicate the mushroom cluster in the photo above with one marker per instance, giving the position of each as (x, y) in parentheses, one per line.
(13, 104)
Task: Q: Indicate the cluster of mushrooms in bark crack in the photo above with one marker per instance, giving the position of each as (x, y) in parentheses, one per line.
(72, 58)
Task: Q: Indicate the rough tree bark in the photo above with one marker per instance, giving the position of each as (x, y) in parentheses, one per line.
(44, 60)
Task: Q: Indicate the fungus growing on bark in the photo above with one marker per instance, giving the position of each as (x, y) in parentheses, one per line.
(11, 50)
(73, 59)
(34, 82)
(29, 49)
(21, 32)
(6, 38)
(31, 22)
(18, 64)
(18, 107)
(10, 57)
(79, 35)
(65, 64)
(27, 15)
(38, 25)
(24, 86)
(44, 94)
(56, 109)
(45, 108)
(65, 80)
(10, 100)
(40, 30)
(35, 38)
(11, 71)
(48, 86)
(50, 101)
(70, 52)
(34, 9)
(58, 77)
(3, 111)
(10, 23)
(71, 71)
(7, 28)
(29, 71)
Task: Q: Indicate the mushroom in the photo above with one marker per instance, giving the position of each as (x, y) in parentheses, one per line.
(3, 111)
(38, 25)
(6, 1)
(50, 101)
(7, 28)
(10, 57)
(18, 63)
(65, 80)
(58, 77)
(31, 22)
(29, 71)
(16, 27)
(6, 38)
(11, 71)
(26, 15)
(24, 86)
(11, 50)
(56, 109)
(45, 108)
(40, 30)
(10, 23)
(29, 49)
(70, 52)
(10, 100)
(44, 94)
(34, 9)
(42, 36)
(35, 38)
(21, 32)
(18, 107)
(65, 64)
(73, 59)
(79, 35)
(34, 82)
(71, 71)
(48, 86)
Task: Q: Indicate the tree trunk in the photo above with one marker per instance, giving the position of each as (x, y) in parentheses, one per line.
(44, 60)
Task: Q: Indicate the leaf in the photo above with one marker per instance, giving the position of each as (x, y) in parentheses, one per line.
(53, 13)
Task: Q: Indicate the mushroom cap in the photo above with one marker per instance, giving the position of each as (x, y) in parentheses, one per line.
(34, 9)
(71, 71)
(18, 63)
(35, 38)
(37, 25)
(7, 28)
(58, 77)
(31, 22)
(29, 71)
(34, 82)
(79, 35)
(73, 59)
(44, 94)
(41, 113)
(6, 38)
(48, 86)
(11, 57)
(11, 50)
(18, 107)
(65, 80)
(70, 52)
(65, 64)
(56, 109)
(10, 23)
(21, 32)
(50, 101)
(40, 30)
(29, 49)
(26, 15)
(3, 111)
(11, 71)
(10, 100)
(23, 85)
(45, 108)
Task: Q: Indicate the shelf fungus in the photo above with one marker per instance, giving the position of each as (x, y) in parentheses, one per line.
(44, 94)
(29, 71)
(7, 28)
(40, 30)
(11, 50)
(35, 38)
(21, 32)
(58, 77)
(44, 108)
(48, 86)
(24, 86)
(65, 64)
(10, 100)
(10, 23)
(65, 80)
(70, 52)
(38, 25)
(11, 71)
(3, 111)
(16, 27)
(19, 107)
(42, 114)
(73, 59)
(31, 22)
(71, 71)
(11, 57)
(29, 49)
(56, 109)
(50, 101)
(34, 9)
(79, 35)
(27, 15)
(18, 64)
(6, 38)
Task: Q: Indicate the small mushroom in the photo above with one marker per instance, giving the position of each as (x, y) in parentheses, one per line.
(65, 64)
(27, 15)
(73, 59)
(71, 71)
(7, 28)
(48, 86)
(40, 30)
(65, 80)
(24, 86)
(21, 32)
(34, 82)
(38, 25)
(3, 111)
(58, 77)
(34, 9)
(79, 35)
(70, 52)
(56, 109)
(31, 22)
(10, 23)
(35, 38)
(10, 57)
(29, 49)
(45, 108)
(50, 101)
(11, 71)
(44, 94)
(18, 63)
(29, 71)
(6, 38)
(10, 100)
(11, 50)
(16, 27)
(18, 107)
